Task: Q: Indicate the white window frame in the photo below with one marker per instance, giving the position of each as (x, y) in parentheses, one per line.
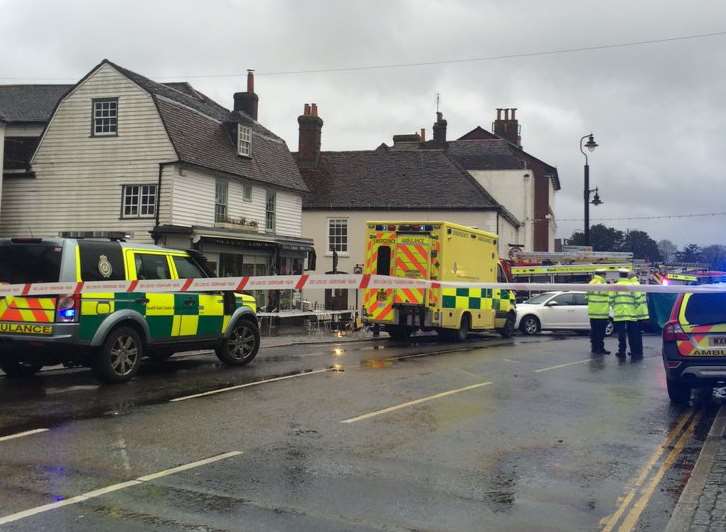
(270, 213)
(221, 205)
(104, 120)
(246, 192)
(337, 242)
(139, 200)
(244, 140)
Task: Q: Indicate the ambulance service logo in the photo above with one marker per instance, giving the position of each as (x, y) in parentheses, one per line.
(104, 267)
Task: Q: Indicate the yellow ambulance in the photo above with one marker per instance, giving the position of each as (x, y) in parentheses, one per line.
(439, 251)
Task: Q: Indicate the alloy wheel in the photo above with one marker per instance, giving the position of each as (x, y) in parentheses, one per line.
(124, 355)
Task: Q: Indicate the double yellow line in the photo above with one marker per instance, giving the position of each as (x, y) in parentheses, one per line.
(640, 491)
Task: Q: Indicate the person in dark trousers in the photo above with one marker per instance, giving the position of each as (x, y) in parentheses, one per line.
(623, 304)
(640, 316)
(598, 310)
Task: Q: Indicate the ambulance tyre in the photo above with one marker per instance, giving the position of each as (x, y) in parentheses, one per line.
(678, 392)
(462, 333)
(119, 358)
(508, 330)
(18, 369)
(242, 345)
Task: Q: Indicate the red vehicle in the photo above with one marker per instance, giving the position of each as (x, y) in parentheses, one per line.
(694, 344)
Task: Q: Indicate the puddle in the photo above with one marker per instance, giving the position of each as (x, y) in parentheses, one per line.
(377, 363)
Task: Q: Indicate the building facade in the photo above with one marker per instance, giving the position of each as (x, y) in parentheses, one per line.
(124, 156)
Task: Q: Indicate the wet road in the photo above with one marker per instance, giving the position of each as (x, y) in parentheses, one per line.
(492, 434)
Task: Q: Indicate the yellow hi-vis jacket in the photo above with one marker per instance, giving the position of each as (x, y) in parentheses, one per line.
(598, 303)
(623, 303)
(641, 303)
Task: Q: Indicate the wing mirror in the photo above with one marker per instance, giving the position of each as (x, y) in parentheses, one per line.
(551, 304)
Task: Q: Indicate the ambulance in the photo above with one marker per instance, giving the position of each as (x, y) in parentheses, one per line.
(439, 251)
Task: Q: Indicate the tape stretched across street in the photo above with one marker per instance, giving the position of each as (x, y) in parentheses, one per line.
(321, 281)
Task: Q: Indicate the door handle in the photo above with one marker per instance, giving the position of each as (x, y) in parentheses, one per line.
(142, 300)
(188, 302)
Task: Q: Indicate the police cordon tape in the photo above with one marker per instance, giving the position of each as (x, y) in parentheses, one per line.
(322, 281)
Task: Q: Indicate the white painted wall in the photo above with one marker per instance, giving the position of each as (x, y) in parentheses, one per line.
(193, 203)
(514, 189)
(79, 178)
(315, 226)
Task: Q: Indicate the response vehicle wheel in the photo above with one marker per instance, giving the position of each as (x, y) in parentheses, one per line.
(678, 392)
(120, 356)
(508, 330)
(398, 333)
(17, 369)
(530, 325)
(610, 328)
(242, 345)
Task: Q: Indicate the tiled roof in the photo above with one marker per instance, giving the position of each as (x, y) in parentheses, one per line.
(492, 154)
(392, 179)
(29, 103)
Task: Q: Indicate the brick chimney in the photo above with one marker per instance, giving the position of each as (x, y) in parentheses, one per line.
(309, 140)
(440, 129)
(247, 102)
(507, 127)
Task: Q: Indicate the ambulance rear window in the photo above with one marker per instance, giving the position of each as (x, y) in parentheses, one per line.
(383, 266)
(36, 262)
(706, 309)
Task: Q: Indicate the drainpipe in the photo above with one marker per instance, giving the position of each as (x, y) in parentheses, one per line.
(155, 233)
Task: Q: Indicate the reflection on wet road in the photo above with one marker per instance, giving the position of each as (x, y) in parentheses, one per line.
(491, 434)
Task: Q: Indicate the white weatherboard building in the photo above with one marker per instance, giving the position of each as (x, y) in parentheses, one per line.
(124, 155)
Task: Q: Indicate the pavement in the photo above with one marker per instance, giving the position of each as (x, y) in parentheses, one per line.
(519, 434)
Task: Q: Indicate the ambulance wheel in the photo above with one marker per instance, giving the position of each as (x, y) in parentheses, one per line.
(398, 333)
(530, 325)
(119, 358)
(242, 345)
(678, 392)
(18, 369)
(463, 333)
(508, 330)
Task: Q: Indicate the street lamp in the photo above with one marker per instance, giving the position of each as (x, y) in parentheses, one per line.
(590, 145)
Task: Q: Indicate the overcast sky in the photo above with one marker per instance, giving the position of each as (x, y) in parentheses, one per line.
(657, 110)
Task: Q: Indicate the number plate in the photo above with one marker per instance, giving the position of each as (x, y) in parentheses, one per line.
(26, 328)
(717, 341)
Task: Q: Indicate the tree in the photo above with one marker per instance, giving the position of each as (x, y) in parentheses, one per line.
(715, 257)
(667, 250)
(690, 253)
(641, 246)
(602, 238)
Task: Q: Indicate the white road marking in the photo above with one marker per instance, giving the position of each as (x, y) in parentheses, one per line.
(249, 384)
(512, 361)
(416, 402)
(558, 366)
(110, 489)
(22, 434)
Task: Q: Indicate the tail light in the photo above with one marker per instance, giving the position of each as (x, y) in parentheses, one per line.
(672, 332)
(68, 309)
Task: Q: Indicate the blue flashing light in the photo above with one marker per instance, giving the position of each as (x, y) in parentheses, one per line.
(68, 313)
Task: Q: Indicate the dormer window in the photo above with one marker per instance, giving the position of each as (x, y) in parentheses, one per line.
(244, 140)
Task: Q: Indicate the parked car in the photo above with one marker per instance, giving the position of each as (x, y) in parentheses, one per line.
(694, 344)
(112, 332)
(555, 311)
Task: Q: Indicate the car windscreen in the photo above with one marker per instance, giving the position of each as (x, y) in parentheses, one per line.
(706, 309)
(539, 298)
(36, 262)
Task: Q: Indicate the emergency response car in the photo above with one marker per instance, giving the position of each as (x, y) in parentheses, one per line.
(439, 251)
(112, 332)
(694, 344)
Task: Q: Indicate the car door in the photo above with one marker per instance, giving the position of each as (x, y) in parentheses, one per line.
(558, 312)
(159, 309)
(208, 319)
(580, 317)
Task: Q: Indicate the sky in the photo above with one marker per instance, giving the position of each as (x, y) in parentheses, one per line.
(657, 111)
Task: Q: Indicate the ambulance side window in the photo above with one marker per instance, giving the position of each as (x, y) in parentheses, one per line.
(149, 266)
(384, 261)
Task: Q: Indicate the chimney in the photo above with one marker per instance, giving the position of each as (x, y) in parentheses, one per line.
(440, 129)
(309, 140)
(423, 134)
(247, 101)
(508, 127)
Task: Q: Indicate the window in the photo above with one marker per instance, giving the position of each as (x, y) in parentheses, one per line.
(270, 211)
(150, 266)
(105, 117)
(562, 300)
(579, 299)
(220, 200)
(706, 309)
(101, 261)
(139, 201)
(186, 268)
(246, 192)
(338, 235)
(29, 263)
(383, 266)
(244, 140)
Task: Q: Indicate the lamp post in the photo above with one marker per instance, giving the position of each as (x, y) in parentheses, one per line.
(590, 145)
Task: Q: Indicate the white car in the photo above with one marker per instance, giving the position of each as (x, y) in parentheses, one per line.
(552, 311)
